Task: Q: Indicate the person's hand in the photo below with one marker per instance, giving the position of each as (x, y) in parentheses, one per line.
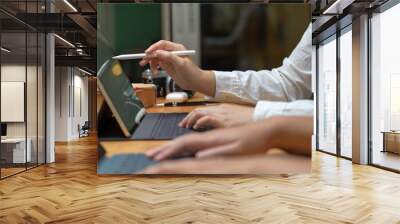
(223, 115)
(157, 54)
(256, 164)
(181, 69)
(231, 141)
(289, 133)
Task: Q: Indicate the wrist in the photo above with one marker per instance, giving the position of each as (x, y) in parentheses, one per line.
(270, 129)
(207, 82)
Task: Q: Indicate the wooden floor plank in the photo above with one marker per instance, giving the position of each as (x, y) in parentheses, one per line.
(69, 191)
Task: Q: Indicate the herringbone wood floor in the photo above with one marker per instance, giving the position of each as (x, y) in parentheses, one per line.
(69, 191)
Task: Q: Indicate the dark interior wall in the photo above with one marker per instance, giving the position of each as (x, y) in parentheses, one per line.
(265, 34)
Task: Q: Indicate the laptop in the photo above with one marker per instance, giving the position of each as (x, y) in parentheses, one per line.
(129, 111)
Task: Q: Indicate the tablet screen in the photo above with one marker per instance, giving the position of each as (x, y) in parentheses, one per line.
(119, 95)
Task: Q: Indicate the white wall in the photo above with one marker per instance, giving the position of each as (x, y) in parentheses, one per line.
(61, 103)
(71, 93)
(80, 111)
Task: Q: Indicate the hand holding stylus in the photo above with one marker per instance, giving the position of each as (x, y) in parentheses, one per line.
(184, 72)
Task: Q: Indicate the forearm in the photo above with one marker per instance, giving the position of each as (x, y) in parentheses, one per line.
(253, 164)
(207, 85)
(289, 133)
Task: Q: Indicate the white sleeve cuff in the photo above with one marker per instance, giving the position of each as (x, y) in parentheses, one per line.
(265, 109)
(228, 87)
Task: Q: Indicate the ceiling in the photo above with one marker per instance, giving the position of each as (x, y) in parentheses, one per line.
(75, 21)
(72, 20)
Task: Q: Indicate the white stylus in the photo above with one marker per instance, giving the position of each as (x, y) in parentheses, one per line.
(142, 55)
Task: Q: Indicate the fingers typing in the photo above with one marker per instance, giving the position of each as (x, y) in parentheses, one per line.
(207, 121)
(193, 118)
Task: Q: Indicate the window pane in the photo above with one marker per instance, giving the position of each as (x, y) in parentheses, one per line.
(327, 97)
(346, 94)
(386, 89)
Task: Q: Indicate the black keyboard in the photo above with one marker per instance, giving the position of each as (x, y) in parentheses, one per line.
(160, 126)
(124, 164)
(129, 163)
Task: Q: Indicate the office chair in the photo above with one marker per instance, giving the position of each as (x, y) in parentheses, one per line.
(84, 130)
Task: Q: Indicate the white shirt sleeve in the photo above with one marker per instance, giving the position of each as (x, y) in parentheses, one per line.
(265, 109)
(291, 81)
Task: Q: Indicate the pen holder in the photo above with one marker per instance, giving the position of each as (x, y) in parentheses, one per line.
(147, 93)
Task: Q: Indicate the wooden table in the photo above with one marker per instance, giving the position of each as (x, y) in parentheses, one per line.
(112, 148)
(15, 148)
(391, 141)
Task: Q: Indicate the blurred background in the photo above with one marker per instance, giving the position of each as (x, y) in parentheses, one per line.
(225, 36)
(250, 36)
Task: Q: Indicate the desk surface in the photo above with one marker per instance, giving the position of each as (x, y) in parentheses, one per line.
(13, 140)
(131, 146)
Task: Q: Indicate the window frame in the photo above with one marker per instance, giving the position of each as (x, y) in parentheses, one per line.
(347, 27)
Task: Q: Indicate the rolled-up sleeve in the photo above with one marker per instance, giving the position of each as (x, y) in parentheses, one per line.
(265, 109)
(248, 86)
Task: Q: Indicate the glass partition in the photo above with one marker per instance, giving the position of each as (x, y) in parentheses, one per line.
(14, 153)
(22, 92)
